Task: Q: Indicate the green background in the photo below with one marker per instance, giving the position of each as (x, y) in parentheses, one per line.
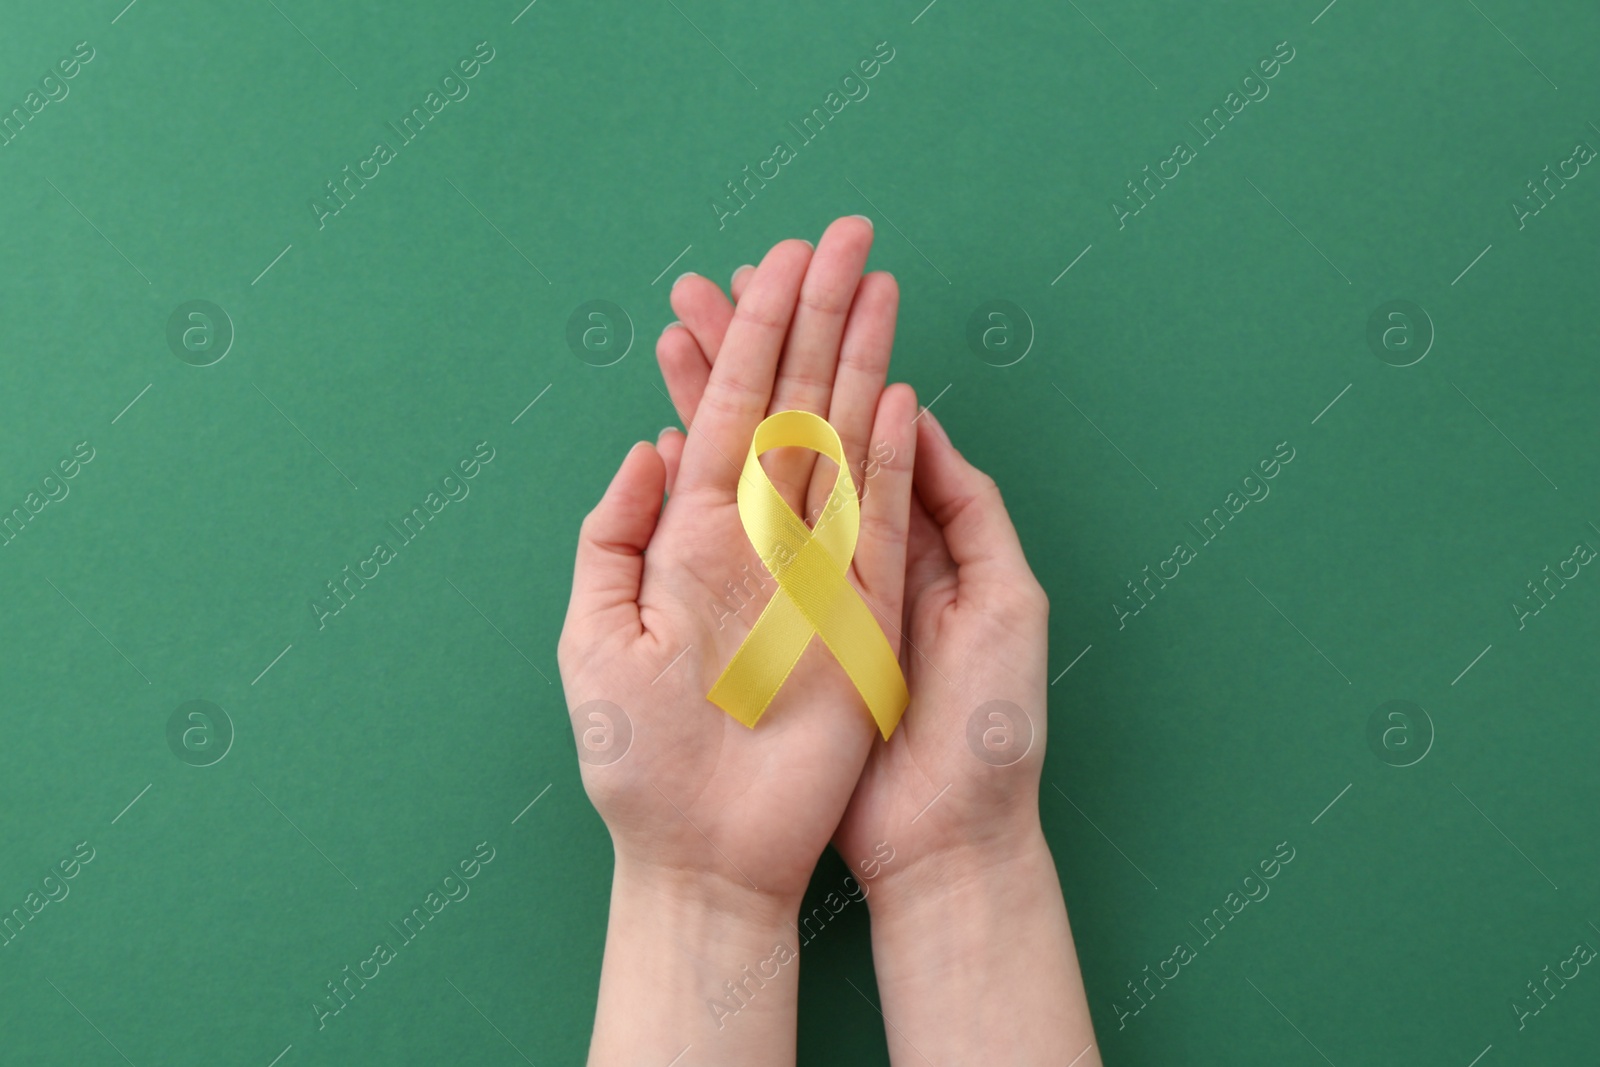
(1178, 351)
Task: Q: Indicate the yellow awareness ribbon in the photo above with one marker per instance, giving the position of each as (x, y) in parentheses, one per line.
(814, 596)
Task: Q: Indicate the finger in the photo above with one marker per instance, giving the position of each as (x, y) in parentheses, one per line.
(741, 278)
(927, 559)
(863, 366)
(811, 354)
(740, 386)
(701, 305)
(880, 559)
(684, 369)
(709, 319)
(670, 445)
(612, 540)
(966, 504)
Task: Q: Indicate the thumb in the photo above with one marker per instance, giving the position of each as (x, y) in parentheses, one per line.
(966, 505)
(613, 538)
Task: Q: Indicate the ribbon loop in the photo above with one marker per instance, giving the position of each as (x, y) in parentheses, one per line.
(814, 595)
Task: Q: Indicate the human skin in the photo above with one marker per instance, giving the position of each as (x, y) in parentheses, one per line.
(716, 827)
(971, 943)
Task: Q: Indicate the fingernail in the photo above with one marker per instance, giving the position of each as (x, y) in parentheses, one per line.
(933, 424)
(669, 326)
(664, 431)
(740, 270)
(866, 220)
(681, 277)
(808, 244)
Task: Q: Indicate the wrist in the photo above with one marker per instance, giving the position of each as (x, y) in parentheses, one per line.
(960, 960)
(706, 895)
(972, 866)
(942, 914)
(692, 959)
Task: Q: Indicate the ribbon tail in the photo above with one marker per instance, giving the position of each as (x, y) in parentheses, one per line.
(763, 661)
(856, 641)
(836, 611)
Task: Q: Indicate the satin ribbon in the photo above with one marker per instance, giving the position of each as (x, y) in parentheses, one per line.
(814, 596)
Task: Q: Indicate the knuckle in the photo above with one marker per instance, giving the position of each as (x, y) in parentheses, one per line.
(857, 358)
(730, 398)
(886, 457)
(755, 314)
(879, 526)
(804, 388)
(830, 300)
(982, 498)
